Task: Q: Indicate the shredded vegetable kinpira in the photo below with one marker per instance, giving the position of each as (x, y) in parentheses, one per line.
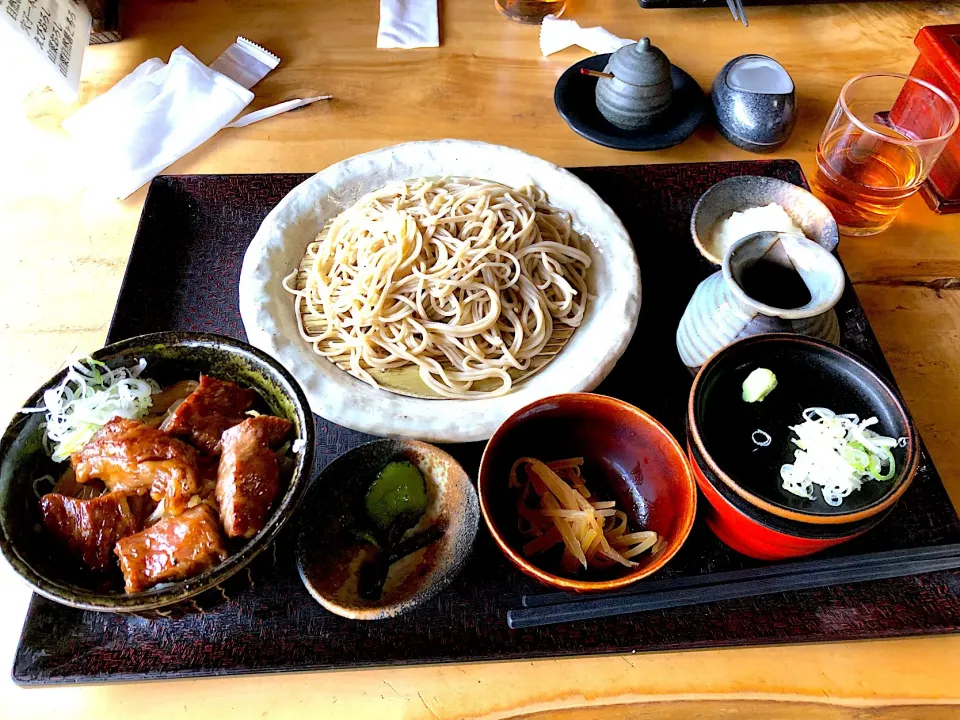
(555, 506)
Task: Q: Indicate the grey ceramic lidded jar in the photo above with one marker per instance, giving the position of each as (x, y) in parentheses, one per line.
(640, 91)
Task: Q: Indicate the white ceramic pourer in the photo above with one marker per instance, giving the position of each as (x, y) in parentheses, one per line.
(721, 311)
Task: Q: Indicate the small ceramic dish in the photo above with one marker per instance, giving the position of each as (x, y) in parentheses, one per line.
(329, 557)
(754, 103)
(170, 356)
(810, 373)
(575, 98)
(628, 457)
(737, 194)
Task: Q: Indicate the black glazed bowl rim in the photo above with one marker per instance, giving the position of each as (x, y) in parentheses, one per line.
(263, 371)
(772, 522)
(898, 485)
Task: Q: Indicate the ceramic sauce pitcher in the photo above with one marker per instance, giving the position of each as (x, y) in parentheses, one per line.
(769, 282)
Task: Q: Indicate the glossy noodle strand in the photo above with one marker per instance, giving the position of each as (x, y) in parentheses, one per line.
(463, 278)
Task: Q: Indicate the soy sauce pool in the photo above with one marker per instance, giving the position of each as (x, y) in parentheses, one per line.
(773, 284)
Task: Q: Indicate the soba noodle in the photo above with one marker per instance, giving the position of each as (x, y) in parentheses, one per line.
(463, 278)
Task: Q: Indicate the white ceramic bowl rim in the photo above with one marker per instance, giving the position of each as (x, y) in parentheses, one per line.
(270, 320)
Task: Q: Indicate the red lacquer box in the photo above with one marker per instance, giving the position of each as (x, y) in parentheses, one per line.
(939, 64)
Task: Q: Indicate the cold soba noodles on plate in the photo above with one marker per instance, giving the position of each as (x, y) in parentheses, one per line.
(466, 280)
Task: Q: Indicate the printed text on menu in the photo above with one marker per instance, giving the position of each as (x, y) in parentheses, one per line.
(53, 28)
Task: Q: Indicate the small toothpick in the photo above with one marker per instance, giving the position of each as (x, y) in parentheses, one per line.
(596, 73)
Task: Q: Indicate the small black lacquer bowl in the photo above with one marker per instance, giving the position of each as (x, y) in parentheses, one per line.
(170, 356)
(750, 509)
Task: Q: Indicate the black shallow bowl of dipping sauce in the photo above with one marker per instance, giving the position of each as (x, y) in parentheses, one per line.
(170, 357)
(810, 373)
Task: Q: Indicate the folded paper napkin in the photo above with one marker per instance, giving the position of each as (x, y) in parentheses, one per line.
(161, 111)
(557, 34)
(151, 118)
(408, 24)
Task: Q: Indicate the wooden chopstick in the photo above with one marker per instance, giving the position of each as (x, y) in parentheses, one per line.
(846, 563)
(595, 73)
(608, 606)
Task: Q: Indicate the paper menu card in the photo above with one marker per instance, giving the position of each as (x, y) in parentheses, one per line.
(56, 32)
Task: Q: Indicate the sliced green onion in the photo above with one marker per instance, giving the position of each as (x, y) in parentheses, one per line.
(89, 397)
(838, 453)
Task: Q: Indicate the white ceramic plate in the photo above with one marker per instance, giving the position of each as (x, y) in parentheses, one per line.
(270, 319)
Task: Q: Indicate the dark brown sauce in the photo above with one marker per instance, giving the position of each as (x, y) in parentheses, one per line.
(773, 284)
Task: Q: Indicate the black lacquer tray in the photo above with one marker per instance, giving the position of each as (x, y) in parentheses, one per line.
(183, 274)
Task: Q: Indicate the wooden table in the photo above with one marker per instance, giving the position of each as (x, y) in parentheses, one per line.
(65, 248)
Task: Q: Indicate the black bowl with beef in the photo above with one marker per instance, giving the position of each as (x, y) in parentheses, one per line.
(153, 511)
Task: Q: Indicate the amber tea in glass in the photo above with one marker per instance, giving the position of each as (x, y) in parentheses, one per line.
(883, 137)
(530, 11)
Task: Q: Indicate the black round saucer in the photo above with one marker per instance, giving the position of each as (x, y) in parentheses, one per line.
(576, 103)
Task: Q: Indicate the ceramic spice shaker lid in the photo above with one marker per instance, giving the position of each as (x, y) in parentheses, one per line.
(641, 89)
(640, 64)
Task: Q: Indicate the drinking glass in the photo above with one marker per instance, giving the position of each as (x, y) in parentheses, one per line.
(530, 11)
(885, 133)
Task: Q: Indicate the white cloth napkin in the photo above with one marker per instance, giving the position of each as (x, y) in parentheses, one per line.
(408, 24)
(153, 117)
(557, 35)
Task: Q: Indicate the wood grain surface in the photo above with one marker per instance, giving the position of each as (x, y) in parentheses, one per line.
(64, 249)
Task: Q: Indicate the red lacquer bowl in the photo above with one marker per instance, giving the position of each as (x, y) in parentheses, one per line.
(760, 536)
(628, 457)
(749, 509)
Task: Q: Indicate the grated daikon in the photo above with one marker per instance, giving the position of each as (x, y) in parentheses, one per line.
(751, 220)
